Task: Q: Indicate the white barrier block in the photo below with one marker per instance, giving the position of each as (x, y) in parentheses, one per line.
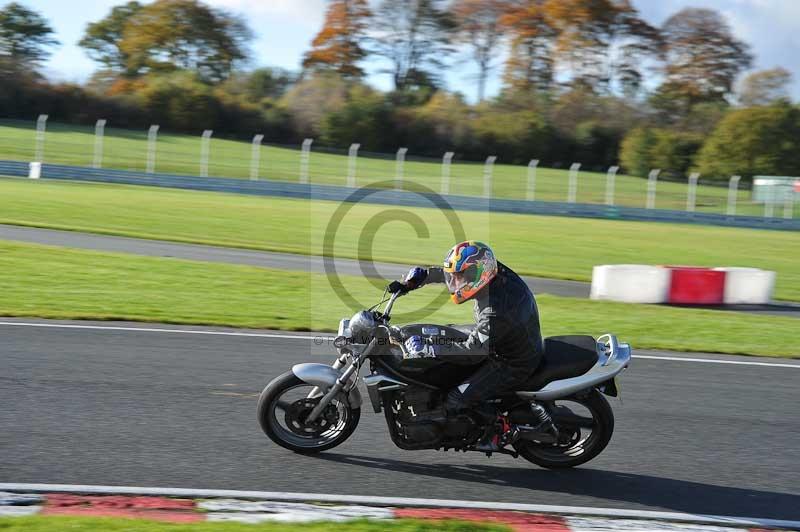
(35, 170)
(748, 286)
(630, 283)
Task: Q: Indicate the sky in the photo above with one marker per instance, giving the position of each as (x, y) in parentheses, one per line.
(284, 29)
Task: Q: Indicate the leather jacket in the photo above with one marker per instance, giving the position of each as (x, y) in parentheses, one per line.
(506, 323)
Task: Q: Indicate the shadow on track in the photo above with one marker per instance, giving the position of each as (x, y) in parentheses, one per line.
(656, 492)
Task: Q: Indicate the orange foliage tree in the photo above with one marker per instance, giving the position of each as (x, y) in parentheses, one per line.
(337, 46)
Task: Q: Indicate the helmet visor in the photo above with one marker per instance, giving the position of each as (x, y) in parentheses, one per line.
(457, 281)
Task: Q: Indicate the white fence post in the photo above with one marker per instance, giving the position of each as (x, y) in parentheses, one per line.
(99, 130)
(733, 190)
(305, 155)
(788, 205)
(398, 168)
(152, 136)
(352, 155)
(652, 180)
(447, 159)
(572, 192)
(255, 157)
(530, 193)
(487, 176)
(41, 128)
(691, 193)
(205, 140)
(769, 202)
(611, 178)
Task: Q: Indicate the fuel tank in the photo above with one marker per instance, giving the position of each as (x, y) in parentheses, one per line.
(434, 371)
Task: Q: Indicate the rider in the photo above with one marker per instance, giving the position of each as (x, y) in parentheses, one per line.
(506, 335)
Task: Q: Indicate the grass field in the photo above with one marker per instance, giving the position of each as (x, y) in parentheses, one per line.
(534, 245)
(55, 282)
(180, 154)
(107, 524)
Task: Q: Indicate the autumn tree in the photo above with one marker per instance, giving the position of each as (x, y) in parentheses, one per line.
(25, 36)
(169, 35)
(765, 87)
(703, 58)
(480, 28)
(338, 46)
(102, 38)
(413, 36)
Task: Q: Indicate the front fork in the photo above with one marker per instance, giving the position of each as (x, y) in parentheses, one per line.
(341, 382)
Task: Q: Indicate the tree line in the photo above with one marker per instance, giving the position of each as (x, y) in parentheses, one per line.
(581, 80)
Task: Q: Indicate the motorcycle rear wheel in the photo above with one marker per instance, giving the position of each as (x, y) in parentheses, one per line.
(336, 424)
(580, 451)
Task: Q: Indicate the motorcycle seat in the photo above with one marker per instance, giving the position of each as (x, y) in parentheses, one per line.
(564, 357)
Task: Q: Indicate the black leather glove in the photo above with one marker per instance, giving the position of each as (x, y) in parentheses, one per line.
(397, 286)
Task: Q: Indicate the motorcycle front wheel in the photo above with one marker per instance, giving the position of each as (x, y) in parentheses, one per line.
(585, 422)
(284, 406)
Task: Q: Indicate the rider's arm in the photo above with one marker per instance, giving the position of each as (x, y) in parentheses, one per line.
(480, 343)
(435, 275)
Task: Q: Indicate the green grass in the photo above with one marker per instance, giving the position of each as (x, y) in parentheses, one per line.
(54, 282)
(108, 524)
(555, 247)
(126, 149)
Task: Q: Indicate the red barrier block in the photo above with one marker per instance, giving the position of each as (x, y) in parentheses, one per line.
(696, 286)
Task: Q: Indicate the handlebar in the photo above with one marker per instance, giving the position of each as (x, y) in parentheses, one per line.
(388, 310)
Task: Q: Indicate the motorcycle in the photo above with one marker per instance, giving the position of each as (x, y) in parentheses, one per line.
(315, 407)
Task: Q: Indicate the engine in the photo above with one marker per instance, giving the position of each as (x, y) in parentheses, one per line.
(420, 421)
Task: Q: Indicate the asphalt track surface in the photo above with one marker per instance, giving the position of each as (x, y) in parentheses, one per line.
(148, 407)
(264, 259)
(289, 261)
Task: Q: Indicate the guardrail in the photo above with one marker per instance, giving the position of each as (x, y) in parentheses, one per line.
(393, 197)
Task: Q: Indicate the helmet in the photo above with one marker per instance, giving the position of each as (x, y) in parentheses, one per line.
(468, 267)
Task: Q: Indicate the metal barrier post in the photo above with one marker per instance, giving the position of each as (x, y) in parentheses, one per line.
(733, 190)
(487, 176)
(611, 178)
(530, 194)
(447, 159)
(398, 168)
(99, 130)
(255, 157)
(41, 129)
(152, 136)
(205, 140)
(305, 155)
(652, 180)
(573, 182)
(691, 193)
(352, 155)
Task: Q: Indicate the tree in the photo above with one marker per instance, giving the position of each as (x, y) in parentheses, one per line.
(754, 141)
(24, 35)
(414, 36)
(102, 38)
(703, 58)
(765, 87)
(635, 152)
(170, 35)
(337, 46)
(530, 65)
(479, 27)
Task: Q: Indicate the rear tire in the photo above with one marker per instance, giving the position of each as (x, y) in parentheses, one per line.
(553, 457)
(268, 403)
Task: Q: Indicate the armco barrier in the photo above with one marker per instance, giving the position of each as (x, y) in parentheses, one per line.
(695, 286)
(392, 197)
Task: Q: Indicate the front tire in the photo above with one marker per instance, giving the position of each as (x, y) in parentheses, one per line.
(582, 449)
(275, 405)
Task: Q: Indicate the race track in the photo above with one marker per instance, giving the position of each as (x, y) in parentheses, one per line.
(154, 408)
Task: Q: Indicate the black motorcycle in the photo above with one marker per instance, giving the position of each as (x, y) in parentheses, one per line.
(558, 419)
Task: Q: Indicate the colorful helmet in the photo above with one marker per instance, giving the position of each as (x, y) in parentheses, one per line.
(468, 267)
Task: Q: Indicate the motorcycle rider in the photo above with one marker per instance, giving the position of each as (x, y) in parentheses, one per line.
(506, 336)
